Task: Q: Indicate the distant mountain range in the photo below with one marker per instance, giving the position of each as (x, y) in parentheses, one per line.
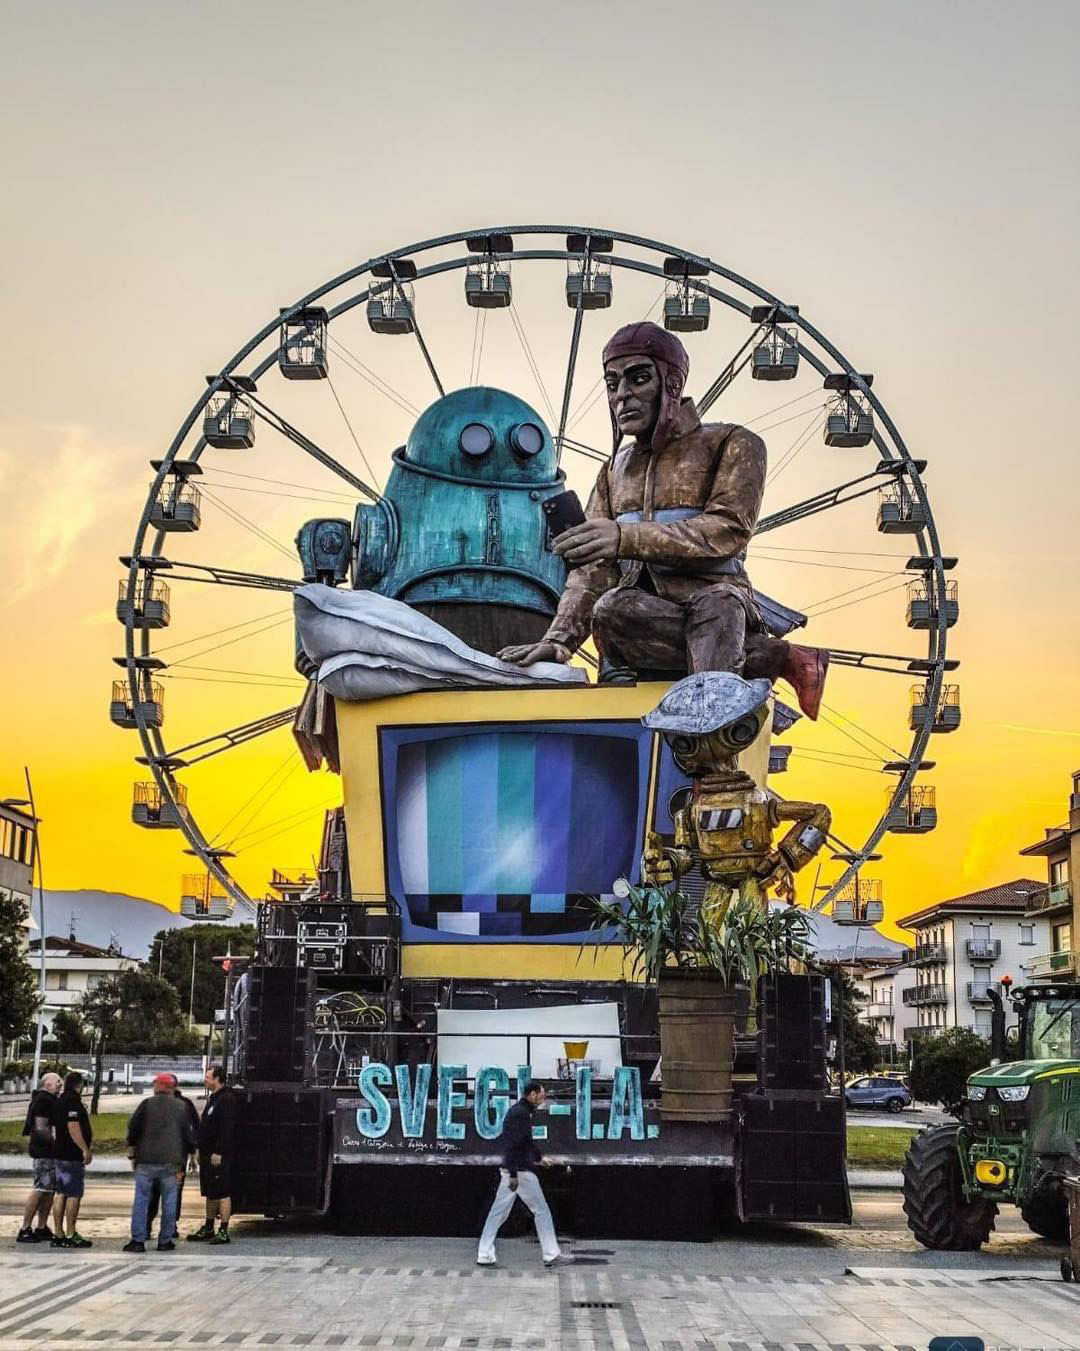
(104, 916)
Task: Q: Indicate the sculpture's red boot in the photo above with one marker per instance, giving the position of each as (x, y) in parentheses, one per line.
(805, 672)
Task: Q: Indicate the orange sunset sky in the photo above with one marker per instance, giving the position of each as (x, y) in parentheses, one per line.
(906, 174)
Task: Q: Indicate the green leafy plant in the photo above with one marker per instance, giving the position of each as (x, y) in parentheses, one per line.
(661, 930)
(940, 1067)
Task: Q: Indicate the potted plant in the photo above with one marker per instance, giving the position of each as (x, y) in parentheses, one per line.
(699, 957)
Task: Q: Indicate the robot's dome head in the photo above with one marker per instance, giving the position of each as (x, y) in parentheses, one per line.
(711, 702)
(482, 435)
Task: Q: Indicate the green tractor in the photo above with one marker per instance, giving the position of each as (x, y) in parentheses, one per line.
(1020, 1132)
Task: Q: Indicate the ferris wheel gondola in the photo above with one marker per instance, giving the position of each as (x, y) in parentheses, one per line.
(240, 408)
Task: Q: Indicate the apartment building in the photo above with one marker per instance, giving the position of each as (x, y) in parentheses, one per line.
(963, 947)
(1055, 902)
(72, 968)
(17, 858)
(886, 1009)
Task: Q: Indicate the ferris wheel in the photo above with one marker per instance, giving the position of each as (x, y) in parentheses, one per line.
(350, 365)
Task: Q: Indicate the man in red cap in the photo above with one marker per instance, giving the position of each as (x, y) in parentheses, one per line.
(658, 570)
(160, 1141)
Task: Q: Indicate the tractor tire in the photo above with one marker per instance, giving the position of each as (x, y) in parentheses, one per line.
(1047, 1214)
(934, 1204)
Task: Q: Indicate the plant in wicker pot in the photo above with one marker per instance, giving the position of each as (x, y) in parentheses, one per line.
(699, 957)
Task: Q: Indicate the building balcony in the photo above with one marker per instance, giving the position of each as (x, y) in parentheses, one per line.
(983, 949)
(1050, 899)
(879, 1009)
(1052, 966)
(929, 952)
(911, 1033)
(978, 991)
(920, 995)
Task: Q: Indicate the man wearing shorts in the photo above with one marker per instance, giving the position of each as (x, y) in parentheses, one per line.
(71, 1154)
(39, 1127)
(217, 1130)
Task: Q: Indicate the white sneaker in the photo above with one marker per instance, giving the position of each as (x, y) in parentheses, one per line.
(560, 1260)
(486, 1262)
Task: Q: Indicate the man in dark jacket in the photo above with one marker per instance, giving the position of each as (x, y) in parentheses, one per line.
(518, 1178)
(155, 1195)
(159, 1141)
(217, 1131)
(39, 1127)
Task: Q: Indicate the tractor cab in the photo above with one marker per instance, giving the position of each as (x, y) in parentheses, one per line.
(1049, 1022)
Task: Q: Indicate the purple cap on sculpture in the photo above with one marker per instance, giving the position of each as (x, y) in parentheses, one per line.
(672, 362)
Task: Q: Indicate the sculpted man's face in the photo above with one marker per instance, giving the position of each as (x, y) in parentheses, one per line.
(633, 391)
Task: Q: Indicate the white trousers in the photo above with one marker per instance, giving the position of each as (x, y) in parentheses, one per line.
(532, 1194)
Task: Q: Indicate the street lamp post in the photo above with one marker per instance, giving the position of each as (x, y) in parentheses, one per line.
(35, 871)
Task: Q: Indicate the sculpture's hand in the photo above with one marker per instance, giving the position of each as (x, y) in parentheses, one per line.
(588, 543)
(528, 654)
(657, 868)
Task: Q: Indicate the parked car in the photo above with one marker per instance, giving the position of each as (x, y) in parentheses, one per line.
(877, 1091)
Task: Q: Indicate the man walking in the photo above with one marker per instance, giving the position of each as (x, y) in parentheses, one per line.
(517, 1178)
(72, 1137)
(217, 1131)
(159, 1141)
(39, 1127)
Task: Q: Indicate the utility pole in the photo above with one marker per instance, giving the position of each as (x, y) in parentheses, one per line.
(191, 1000)
(35, 871)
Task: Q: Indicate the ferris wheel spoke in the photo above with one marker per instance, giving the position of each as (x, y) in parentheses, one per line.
(179, 758)
(735, 366)
(210, 572)
(392, 270)
(306, 444)
(836, 497)
(885, 661)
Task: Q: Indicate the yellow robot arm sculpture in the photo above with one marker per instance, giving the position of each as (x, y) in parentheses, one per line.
(809, 830)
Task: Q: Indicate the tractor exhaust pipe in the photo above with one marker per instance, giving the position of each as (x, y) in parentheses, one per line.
(997, 1028)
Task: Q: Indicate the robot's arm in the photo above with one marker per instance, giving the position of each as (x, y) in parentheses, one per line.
(806, 836)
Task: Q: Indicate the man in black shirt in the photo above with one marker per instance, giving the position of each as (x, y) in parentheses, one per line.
(71, 1153)
(39, 1127)
(216, 1135)
(518, 1179)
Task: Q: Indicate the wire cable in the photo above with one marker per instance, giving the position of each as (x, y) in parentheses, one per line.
(229, 628)
(250, 526)
(277, 482)
(356, 440)
(286, 619)
(251, 798)
(365, 373)
(526, 347)
(801, 441)
(813, 612)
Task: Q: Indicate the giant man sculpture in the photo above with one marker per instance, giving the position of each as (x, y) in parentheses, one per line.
(658, 569)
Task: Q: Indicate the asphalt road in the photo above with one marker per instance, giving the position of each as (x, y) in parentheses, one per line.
(878, 1234)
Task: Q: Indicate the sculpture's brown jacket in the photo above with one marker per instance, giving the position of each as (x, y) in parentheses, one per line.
(687, 513)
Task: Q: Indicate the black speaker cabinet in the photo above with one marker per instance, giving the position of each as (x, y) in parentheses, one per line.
(792, 1034)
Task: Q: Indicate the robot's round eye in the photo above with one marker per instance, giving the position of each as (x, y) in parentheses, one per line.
(743, 732)
(527, 438)
(684, 745)
(476, 439)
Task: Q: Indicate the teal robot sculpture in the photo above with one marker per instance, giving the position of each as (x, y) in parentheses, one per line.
(459, 533)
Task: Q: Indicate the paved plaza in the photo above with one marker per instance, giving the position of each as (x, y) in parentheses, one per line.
(292, 1285)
